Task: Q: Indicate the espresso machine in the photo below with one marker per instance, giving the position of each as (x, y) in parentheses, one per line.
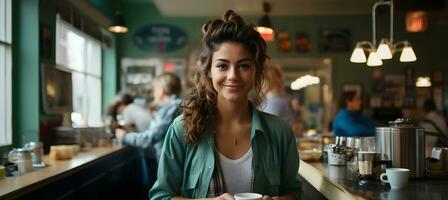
(403, 144)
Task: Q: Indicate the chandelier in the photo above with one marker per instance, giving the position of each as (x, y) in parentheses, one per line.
(386, 47)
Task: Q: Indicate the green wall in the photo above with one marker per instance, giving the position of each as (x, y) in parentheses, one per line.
(428, 46)
(25, 71)
(109, 73)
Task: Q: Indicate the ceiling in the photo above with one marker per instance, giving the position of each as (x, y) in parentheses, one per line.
(197, 8)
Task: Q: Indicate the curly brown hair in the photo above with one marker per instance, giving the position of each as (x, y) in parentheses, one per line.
(199, 106)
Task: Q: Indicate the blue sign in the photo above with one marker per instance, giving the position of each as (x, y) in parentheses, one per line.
(160, 38)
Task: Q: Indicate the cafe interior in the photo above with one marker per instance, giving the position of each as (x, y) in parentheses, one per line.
(63, 62)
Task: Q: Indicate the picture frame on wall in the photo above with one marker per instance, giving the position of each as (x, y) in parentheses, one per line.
(335, 40)
(302, 42)
(284, 41)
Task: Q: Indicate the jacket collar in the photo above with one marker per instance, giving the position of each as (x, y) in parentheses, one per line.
(257, 123)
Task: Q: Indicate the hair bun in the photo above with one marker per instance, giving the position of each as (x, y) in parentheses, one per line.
(230, 15)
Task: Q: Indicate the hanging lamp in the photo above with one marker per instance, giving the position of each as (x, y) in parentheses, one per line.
(264, 24)
(118, 25)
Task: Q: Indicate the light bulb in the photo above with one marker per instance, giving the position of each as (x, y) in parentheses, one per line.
(423, 81)
(374, 60)
(383, 51)
(408, 55)
(358, 56)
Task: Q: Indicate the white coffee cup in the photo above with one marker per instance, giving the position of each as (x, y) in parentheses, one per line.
(396, 177)
(248, 196)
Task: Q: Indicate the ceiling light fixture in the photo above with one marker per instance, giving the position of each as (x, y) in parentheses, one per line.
(264, 24)
(386, 48)
(423, 81)
(118, 25)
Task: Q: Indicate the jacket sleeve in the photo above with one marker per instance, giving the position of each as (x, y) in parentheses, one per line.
(347, 125)
(155, 132)
(170, 170)
(290, 183)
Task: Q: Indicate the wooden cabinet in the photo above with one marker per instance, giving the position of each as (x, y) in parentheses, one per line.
(113, 176)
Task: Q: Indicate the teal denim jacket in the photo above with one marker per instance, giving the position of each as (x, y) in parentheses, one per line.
(186, 170)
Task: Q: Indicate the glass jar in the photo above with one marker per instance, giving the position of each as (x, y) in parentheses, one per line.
(23, 159)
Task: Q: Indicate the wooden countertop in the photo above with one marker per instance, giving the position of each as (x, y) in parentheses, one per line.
(9, 186)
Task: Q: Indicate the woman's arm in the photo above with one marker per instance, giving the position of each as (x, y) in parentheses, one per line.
(171, 165)
(290, 183)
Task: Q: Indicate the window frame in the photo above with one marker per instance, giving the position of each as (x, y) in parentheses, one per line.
(85, 72)
(6, 71)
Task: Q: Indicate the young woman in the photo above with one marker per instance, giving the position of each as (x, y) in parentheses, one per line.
(222, 145)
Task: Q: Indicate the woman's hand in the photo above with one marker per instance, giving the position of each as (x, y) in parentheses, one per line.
(225, 196)
(119, 133)
(266, 197)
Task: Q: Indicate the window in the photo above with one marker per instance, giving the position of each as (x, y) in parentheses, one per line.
(5, 73)
(81, 54)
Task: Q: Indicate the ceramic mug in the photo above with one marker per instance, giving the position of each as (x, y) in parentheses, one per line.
(396, 177)
(248, 196)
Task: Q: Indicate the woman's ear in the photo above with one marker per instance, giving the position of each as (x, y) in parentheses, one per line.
(209, 74)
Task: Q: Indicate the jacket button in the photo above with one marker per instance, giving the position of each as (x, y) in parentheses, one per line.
(209, 167)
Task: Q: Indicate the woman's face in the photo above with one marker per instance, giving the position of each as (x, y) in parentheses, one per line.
(354, 104)
(232, 72)
(157, 92)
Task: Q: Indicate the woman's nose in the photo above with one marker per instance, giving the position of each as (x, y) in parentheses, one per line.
(233, 73)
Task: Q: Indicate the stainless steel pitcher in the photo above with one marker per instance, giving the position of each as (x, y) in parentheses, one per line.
(403, 144)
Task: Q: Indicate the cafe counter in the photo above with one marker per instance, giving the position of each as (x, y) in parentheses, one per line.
(338, 182)
(97, 173)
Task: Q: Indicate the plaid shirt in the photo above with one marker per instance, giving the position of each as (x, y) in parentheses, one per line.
(217, 185)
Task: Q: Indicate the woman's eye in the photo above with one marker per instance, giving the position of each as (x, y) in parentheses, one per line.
(244, 66)
(221, 66)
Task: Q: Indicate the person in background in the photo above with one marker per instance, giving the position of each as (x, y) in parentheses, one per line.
(349, 121)
(434, 122)
(277, 100)
(136, 118)
(221, 144)
(166, 90)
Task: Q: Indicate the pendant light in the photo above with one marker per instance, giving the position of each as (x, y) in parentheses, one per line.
(423, 81)
(118, 25)
(264, 24)
(386, 48)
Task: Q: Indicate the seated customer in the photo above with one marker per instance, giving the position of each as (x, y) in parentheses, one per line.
(166, 89)
(136, 118)
(348, 120)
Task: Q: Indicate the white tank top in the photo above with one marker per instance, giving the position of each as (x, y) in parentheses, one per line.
(238, 174)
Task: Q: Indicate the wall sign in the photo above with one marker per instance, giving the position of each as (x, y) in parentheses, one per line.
(160, 38)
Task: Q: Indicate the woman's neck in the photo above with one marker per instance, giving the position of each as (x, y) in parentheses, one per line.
(229, 112)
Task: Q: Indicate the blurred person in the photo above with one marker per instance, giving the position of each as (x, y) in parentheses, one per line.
(434, 122)
(349, 120)
(278, 102)
(221, 144)
(166, 90)
(135, 117)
